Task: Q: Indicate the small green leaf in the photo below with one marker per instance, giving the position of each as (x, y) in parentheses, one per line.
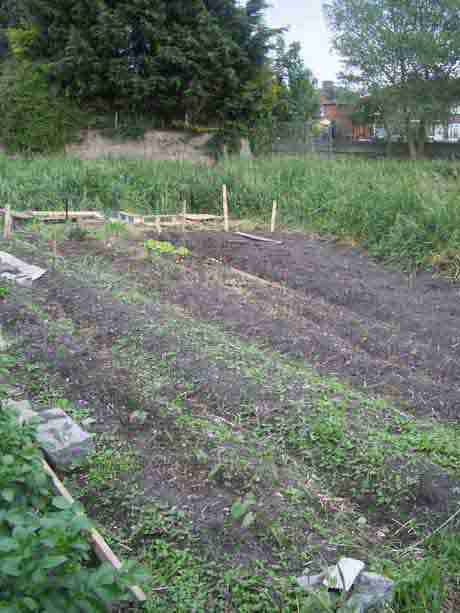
(8, 544)
(61, 503)
(238, 510)
(11, 566)
(8, 495)
(31, 605)
(53, 561)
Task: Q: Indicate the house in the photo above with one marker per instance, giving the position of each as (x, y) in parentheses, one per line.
(447, 132)
(339, 115)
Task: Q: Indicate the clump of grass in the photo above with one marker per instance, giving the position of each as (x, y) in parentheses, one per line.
(403, 211)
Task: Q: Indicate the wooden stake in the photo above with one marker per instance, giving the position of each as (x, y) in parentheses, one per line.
(102, 549)
(158, 224)
(184, 216)
(225, 203)
(8, 223)
(274, 209)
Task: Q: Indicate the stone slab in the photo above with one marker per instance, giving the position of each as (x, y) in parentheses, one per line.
(371, 592)
(63, 440)
(60, 437)
(19, 271)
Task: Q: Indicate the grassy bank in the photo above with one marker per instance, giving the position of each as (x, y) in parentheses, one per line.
(403, 211)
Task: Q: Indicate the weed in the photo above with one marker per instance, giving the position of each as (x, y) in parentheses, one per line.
(77, 233)
(165, 248)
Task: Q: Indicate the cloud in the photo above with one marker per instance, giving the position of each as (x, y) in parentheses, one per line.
(307, 25)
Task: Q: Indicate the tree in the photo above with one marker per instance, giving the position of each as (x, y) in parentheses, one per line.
(406, 52)
(198, 58)
(298, 96)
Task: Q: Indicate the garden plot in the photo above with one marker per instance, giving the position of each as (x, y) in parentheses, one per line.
(242, 426)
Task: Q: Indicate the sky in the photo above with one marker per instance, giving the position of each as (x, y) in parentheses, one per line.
(307, 25)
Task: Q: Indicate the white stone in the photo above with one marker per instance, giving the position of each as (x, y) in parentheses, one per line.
(343, 575)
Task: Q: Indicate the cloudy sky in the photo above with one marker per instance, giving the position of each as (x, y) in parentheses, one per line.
(307, 25)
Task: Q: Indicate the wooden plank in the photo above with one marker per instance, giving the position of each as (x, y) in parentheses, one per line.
(259, 238)
(101, 547)
(274, 210)
(8, 224)
(225, 205)
(202, 217)
(53, 215)
(184, 216)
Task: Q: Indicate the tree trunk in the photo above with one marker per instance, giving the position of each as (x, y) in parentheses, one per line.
(421, 138)
(411, 141)
(388, 140)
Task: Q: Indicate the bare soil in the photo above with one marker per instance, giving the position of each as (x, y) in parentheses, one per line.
(117, 332)
(394, 333)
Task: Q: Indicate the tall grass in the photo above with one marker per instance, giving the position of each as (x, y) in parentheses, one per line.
(404, 211)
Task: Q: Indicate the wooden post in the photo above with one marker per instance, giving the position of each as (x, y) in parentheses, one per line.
(8, 223)
(158, 224)
(184, 215)
(274, 209)
(225, 203)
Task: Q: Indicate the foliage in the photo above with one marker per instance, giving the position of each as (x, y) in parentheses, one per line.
(297, 98)
(174, 59)
(34, 120)
(44, 552)
(405, 53)
(77, 233)
(401, 211)
(165, 248)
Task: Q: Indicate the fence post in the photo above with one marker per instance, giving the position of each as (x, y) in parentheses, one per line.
(225, 205)
(8, 223)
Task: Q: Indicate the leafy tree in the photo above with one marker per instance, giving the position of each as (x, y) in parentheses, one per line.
(198, 58)
(298, 97)
(406, 52)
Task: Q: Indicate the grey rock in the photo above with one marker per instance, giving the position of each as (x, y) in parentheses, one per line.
(63, 440)
(310, 582)
(372, 592)
(66, 444)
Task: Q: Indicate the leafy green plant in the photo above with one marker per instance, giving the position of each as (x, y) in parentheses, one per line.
(165, 248)
(241, 510)
(4, 291)
(45, 558)
(34, 120)
(77, 233)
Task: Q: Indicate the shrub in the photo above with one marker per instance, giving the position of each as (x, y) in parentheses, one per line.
(34, 120)
(45, 558)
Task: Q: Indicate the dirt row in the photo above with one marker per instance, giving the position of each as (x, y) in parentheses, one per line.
(398, 335)
(115, 349)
